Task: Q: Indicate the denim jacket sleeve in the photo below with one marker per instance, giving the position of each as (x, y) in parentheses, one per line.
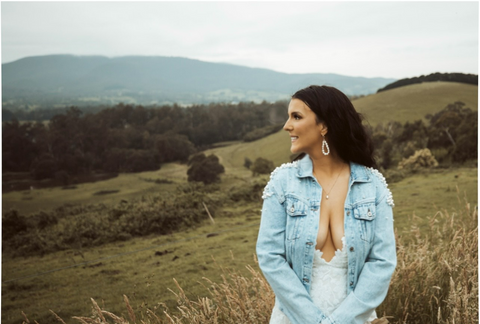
(294, 299)
(374, 279)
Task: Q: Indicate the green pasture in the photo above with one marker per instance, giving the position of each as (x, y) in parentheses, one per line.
(129, 186)
(275, 147)
(413, 102)
(143, 276)
(132, 268)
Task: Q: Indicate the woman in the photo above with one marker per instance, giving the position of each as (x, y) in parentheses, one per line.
(326, 243)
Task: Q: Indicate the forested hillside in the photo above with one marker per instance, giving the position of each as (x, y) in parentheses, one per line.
(127, 138)
(450, 77)
(63, 80)
(133, 138)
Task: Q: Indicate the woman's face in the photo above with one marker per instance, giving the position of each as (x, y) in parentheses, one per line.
(305, 132)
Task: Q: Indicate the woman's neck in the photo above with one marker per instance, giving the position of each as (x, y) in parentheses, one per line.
(326, 165)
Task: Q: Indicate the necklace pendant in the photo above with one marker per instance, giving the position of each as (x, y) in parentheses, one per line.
(326, 196)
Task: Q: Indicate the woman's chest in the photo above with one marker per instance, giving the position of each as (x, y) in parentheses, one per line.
(308, 215)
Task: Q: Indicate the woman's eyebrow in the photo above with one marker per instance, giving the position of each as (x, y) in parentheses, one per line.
(295, 112)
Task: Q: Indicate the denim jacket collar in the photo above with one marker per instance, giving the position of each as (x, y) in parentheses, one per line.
(358, 173)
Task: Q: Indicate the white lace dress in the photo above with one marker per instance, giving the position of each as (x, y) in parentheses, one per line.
(329, 285)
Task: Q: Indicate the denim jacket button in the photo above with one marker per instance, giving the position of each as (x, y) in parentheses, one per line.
(309, 243)
(369, 213)
(305, 279)
(352, 249)
(292, 209)
(348, 213)
(351, 283)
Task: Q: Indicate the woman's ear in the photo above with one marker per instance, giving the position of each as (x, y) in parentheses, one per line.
(323, 129)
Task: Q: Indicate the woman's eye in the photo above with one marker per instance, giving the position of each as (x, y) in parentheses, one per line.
(296, 117)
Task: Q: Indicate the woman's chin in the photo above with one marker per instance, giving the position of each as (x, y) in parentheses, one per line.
(294, 150)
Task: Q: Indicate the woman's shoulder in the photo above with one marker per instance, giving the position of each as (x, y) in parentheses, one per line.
(381, 183)
(279, 178)
(285, 170)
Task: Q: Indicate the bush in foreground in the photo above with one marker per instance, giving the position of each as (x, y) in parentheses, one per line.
(436, 281)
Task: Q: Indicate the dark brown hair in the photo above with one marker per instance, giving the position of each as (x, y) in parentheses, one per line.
(346, 134)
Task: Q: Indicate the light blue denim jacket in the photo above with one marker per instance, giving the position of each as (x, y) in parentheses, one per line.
(287, 239)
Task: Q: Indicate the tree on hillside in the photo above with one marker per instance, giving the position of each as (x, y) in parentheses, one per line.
(455, 128)
(131, 160)
(173, 147)
(21, 144)
(43, 167)
(206, 169)
(125, 137)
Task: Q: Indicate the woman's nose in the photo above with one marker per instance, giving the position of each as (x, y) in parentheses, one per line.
(287, 126)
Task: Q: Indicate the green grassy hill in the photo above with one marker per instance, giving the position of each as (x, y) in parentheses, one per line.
(413, 102)
(275, 147)
(408, 103)
(125, 186)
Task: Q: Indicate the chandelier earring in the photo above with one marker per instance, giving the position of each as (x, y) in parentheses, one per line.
(325, 148)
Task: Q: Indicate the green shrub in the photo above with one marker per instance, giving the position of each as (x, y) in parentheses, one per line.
(250, 192)
(247, 163)
(206, 169)
(13, 224)
(42, 219)
(262, 166)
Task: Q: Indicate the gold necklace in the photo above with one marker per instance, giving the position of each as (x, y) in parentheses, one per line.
(338, 176)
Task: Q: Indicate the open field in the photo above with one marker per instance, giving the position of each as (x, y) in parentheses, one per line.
(275, 147)
(133, 268)
(129, 186)
(144, 276)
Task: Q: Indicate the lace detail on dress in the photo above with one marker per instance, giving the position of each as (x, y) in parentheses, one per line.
(329, 284)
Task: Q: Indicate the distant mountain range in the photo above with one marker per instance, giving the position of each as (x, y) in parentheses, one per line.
(91, 80)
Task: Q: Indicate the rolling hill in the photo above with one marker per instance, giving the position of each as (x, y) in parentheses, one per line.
(83, 80)
(408, 103)
(413, 102)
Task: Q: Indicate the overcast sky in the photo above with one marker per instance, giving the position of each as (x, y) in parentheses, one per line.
(371, 39)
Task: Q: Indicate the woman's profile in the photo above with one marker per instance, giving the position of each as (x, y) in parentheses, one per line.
(326, 243)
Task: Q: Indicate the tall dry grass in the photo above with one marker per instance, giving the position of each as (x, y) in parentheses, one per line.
(436, 281)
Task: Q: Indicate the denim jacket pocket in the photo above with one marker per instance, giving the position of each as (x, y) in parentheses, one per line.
(296, 212)
(365, 214)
